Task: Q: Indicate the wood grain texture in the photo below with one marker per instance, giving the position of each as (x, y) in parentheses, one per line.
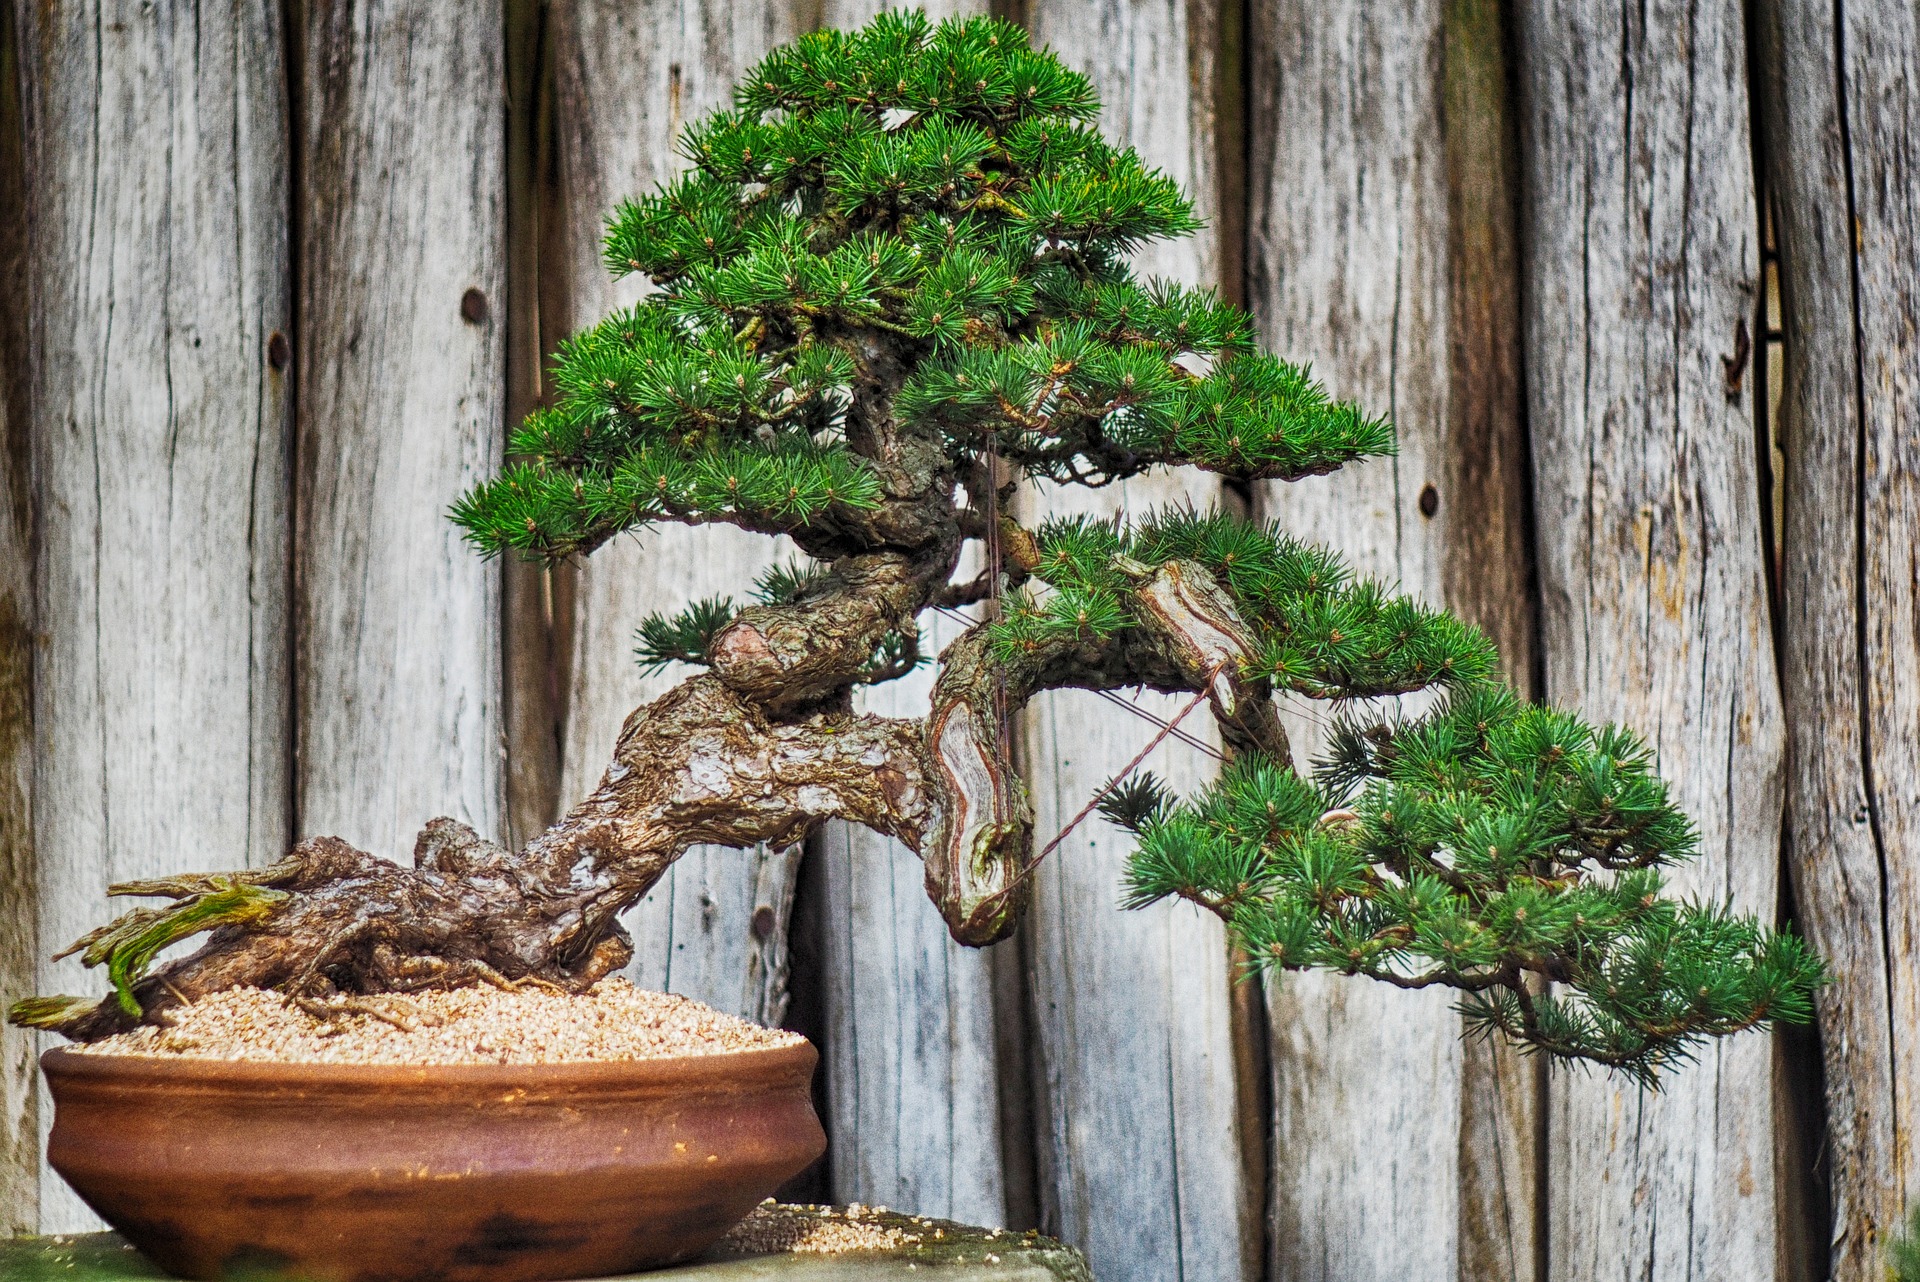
(157, 266)
(1140, 1155)
(19, 919)
(530, 707)
(1641, 264)
(627, 78)
(912, 1078)
(1487, 577)
(1841, 111)
(1382, 253)
(402, 214)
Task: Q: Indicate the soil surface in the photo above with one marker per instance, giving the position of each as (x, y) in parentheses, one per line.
(612, 1021)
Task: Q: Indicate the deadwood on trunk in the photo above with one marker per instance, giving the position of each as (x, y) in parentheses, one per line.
(1839, 89)
(155, 169)
(1641, 262)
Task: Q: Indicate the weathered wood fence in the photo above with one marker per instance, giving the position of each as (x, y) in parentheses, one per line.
(1639, 284)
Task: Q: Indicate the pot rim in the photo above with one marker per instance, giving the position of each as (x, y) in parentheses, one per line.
(740, 1069)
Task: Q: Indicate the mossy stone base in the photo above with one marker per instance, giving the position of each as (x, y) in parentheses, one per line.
(945, 1252)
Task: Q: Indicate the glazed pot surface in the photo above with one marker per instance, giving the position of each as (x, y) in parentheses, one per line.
(467, 1173)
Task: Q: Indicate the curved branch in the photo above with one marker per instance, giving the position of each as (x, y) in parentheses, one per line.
(701, 764)
(977, 853)
(706, 763)
(1202, 634)
(785, 657)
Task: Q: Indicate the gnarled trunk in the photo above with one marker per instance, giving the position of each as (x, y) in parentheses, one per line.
(762, 748)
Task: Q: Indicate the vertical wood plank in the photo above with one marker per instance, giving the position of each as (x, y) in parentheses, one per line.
(155, 161)
(402, 280)
(530, 707)
(1487, 576)
(1838, 93)
(1382, 253)
(912, 1078)
(911, 1075)
(19, 936)
(627, 78)
(1140, 1150)
(1641, 263)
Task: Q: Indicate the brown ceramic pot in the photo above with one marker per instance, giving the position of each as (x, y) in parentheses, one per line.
(467, 1173)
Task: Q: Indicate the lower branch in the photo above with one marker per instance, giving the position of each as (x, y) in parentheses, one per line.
(1191, 638)
(709, 762)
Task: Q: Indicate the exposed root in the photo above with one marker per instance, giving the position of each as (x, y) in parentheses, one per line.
(390, 1008)
(488, 975)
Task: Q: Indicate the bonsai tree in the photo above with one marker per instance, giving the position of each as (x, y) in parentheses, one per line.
(892, 287)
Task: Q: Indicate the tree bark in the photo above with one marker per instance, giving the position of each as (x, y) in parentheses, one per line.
(700, 764)
(1641, 260)
(1840, 112)
(157, 270)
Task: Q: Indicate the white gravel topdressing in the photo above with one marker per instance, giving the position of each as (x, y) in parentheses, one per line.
(614, 1021)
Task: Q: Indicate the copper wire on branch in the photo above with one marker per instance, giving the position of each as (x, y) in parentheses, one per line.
(1198, 745)
(1093, 803)
(1126, 705)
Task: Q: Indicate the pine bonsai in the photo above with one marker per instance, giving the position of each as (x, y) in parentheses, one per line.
(893, 286)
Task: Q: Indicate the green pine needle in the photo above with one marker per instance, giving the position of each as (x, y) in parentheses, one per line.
(933, 188)
(1136, 801)
(786, 582)
(663, 639)
(1320, 633)
(1493, 847)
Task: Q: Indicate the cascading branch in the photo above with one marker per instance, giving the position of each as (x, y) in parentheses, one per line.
(892, 286)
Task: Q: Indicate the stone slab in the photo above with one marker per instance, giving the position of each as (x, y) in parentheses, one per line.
(931, 1251)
